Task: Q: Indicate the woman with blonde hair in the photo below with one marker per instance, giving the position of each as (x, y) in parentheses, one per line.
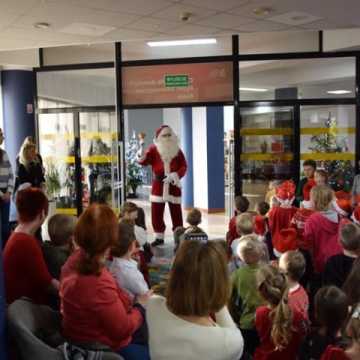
(280, 329)
(193, 322)
(29, 167)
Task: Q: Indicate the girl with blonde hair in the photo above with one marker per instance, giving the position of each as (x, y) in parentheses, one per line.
(280, 329)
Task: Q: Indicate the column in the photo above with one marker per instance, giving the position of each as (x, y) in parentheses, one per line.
(18, 112)
(208, 159)
(187, 147)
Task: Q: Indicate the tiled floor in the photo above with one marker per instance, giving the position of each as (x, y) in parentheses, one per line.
(215, 225)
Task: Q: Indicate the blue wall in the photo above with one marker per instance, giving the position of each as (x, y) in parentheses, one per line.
(187, 146)
(17, 92)
(215, 157)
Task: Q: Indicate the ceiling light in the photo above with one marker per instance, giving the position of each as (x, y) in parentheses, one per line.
(339, 92)
(262, 11)
(42, 25)
(182, 42)
(253, 89)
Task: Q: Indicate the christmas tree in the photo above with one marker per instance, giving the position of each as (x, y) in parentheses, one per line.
(134, 171)
(341, 172)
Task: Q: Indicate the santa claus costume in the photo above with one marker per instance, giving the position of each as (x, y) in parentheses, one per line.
(280, 216)
(168, 166)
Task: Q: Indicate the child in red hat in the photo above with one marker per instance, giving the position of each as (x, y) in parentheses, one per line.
(280, 216)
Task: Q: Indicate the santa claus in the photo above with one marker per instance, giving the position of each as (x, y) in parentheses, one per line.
(168, 166)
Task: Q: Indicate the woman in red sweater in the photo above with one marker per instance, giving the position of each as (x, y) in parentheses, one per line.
(25, 271)
(94, 309)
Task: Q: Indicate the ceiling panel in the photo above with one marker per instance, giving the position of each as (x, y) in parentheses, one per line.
(152, 25)
(127, 34)
(173, 13)
(263, 25)
(139, 7)
(190, 29)
(18, 7)
(226, 21)
(223, 5)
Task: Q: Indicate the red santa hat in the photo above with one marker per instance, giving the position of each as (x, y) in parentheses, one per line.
(355, 217)
(287, 241)
(342, 207)
(160, 129)
(285, 193)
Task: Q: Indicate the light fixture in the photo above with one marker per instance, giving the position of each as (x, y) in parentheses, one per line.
(42, 25)
(339, 92)
(253, 89)
(181, 42)
(262, 11)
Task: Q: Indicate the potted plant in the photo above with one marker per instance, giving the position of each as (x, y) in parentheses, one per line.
(53, 185)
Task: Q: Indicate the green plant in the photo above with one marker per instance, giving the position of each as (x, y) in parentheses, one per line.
(134, 172)
(52, 179)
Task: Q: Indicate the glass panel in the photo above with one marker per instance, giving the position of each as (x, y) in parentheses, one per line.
(278, 42)
(56, 134)
(328, 136)
(297, 79)
(98, 143)
(74, 88)
(267, 148)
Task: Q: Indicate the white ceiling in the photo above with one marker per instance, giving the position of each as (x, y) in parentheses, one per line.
(151, 19)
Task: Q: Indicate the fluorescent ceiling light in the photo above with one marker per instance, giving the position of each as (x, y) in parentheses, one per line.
(339, 92)
(181, 42)
(253, 89)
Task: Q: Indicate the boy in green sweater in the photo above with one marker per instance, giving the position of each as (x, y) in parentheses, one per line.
(245, 297)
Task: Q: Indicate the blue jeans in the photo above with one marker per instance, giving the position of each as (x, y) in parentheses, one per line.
(135, 352)
(5, 226)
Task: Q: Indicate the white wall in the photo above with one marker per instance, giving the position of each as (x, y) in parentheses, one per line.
(172, 117)
(200, 173)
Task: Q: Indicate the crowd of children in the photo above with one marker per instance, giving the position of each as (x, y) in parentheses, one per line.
(284, 284)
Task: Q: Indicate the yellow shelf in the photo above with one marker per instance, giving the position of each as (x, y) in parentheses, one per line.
(327, 156)
(267, 157)
(66, 211)
(261, 132)
(99, 159)
(334, 131)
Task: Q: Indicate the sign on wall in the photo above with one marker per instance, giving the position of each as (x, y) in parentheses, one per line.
(178, 83)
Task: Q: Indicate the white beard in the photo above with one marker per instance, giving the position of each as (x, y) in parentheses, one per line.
(167, 148)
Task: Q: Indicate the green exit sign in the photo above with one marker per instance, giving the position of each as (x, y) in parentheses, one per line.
(176, 80)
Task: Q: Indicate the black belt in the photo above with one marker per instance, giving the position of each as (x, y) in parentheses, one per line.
(159, 177)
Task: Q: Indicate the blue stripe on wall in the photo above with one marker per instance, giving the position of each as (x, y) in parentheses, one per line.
(187, 146)
(215, 157)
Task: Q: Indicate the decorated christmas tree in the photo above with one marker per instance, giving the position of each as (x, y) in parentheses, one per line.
(134, 171)
(341, 172)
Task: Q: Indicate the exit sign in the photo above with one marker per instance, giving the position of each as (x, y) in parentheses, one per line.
(176, 80)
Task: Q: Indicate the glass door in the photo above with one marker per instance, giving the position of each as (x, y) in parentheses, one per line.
(267, 138)
(57, 147)
(99, 158)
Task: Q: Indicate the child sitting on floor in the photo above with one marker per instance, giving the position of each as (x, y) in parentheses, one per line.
(56, 251)
(241, 206)
(280, 329)
(292, 263)
(245, 297)
(123, 268)
(331, 311)
(338, 267)
(352, 351)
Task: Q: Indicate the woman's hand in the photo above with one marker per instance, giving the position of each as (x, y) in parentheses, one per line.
(144, 298)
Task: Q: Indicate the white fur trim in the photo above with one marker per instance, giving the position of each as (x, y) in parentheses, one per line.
(159, 236)
(306, 204)
(338, 209)
(354, 219)
(277, 253)
(285, 203)
(162, 199)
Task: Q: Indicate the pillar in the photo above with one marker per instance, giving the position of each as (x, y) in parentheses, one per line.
(187, 147)
(18, 110)
(208, 159)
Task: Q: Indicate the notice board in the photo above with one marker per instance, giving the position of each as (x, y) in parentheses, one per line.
(178, 83)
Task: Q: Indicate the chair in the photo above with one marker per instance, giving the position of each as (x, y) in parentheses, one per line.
(35, 329)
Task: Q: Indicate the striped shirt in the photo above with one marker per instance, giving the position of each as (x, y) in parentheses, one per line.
(6, 174)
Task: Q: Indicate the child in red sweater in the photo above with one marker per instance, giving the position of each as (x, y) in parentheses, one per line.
(351, 352)
(260, 221)
(280, 329)
(280, 216)
(292, 263)
(242, 206)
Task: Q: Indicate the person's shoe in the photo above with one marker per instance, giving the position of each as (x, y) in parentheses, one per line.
(157, 242)
(147, 252)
